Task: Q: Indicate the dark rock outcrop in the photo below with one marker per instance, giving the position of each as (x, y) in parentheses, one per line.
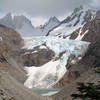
(37, 56)
(10, 46)
(11, 89)
(12, 73)
(70, 88)
(90, 30)
(90, 60)
(83, 70)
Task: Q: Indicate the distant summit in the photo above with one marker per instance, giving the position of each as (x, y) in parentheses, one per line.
(24, 26)
(53, 27)
(76, 19)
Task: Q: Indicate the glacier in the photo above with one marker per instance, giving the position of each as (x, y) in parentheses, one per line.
(50, 73)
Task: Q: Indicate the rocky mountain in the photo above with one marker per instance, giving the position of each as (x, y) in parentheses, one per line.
(76, 19)
(50, 25)
(12, 73)
(24, 26)
(7, 20)
(46, 62)
(90, 31)
(83, 70)
(19, 23)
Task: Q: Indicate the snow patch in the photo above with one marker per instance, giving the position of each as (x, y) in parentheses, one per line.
(43, 47)
(79, 37)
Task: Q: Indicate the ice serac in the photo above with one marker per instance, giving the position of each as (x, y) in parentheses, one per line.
(48, 74)
(75, 20)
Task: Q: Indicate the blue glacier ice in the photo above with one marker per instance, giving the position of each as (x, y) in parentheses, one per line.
(50, 73)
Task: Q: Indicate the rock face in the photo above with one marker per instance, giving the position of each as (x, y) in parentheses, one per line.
(75, 20)
(10, 45)
(91, 59)
(94, 29)
(37, 56)
(90, 31)
(12, 74)
(10, 40)
(69, 75)
(10, 89)
(87, 76)
(24, 26)
(83, 70)
(20, 23)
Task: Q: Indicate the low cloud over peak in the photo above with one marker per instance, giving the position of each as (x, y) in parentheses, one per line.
(44, 9)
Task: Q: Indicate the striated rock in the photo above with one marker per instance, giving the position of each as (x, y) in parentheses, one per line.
(37, 56)
(90, 31)
(10, 89)
(10, 46)
(82, 71)
(90, 60)
(12, 73)
(77, 19)
(65, 93)
(69, 75)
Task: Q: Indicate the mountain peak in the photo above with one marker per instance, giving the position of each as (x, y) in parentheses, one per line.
(78, 8)
(7, 20)
(53, 19)
(8, 16)
(79, 16)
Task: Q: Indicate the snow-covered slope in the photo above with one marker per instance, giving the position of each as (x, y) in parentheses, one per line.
(48, 74)
(53, 27)
(76, 19)
(42, 30)
(24, 26)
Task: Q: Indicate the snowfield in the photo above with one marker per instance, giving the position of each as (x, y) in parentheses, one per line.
(50, 73)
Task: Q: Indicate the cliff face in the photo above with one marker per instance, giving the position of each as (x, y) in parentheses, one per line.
(90, 31)
(37, 56)
(10, 46)
(10, 41)
(12, 74)
(82, 70)
(11, 89)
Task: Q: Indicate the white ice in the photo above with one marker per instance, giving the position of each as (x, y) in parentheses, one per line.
(50, 73)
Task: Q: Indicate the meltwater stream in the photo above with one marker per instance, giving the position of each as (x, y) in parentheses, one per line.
(42, 78)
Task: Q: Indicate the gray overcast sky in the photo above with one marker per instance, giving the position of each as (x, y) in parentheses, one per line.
(43, 9)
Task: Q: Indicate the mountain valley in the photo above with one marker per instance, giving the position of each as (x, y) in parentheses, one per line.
(46, 62)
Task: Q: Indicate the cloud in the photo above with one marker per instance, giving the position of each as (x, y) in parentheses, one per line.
(43, 8)
(95, 3)
(36, 21)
